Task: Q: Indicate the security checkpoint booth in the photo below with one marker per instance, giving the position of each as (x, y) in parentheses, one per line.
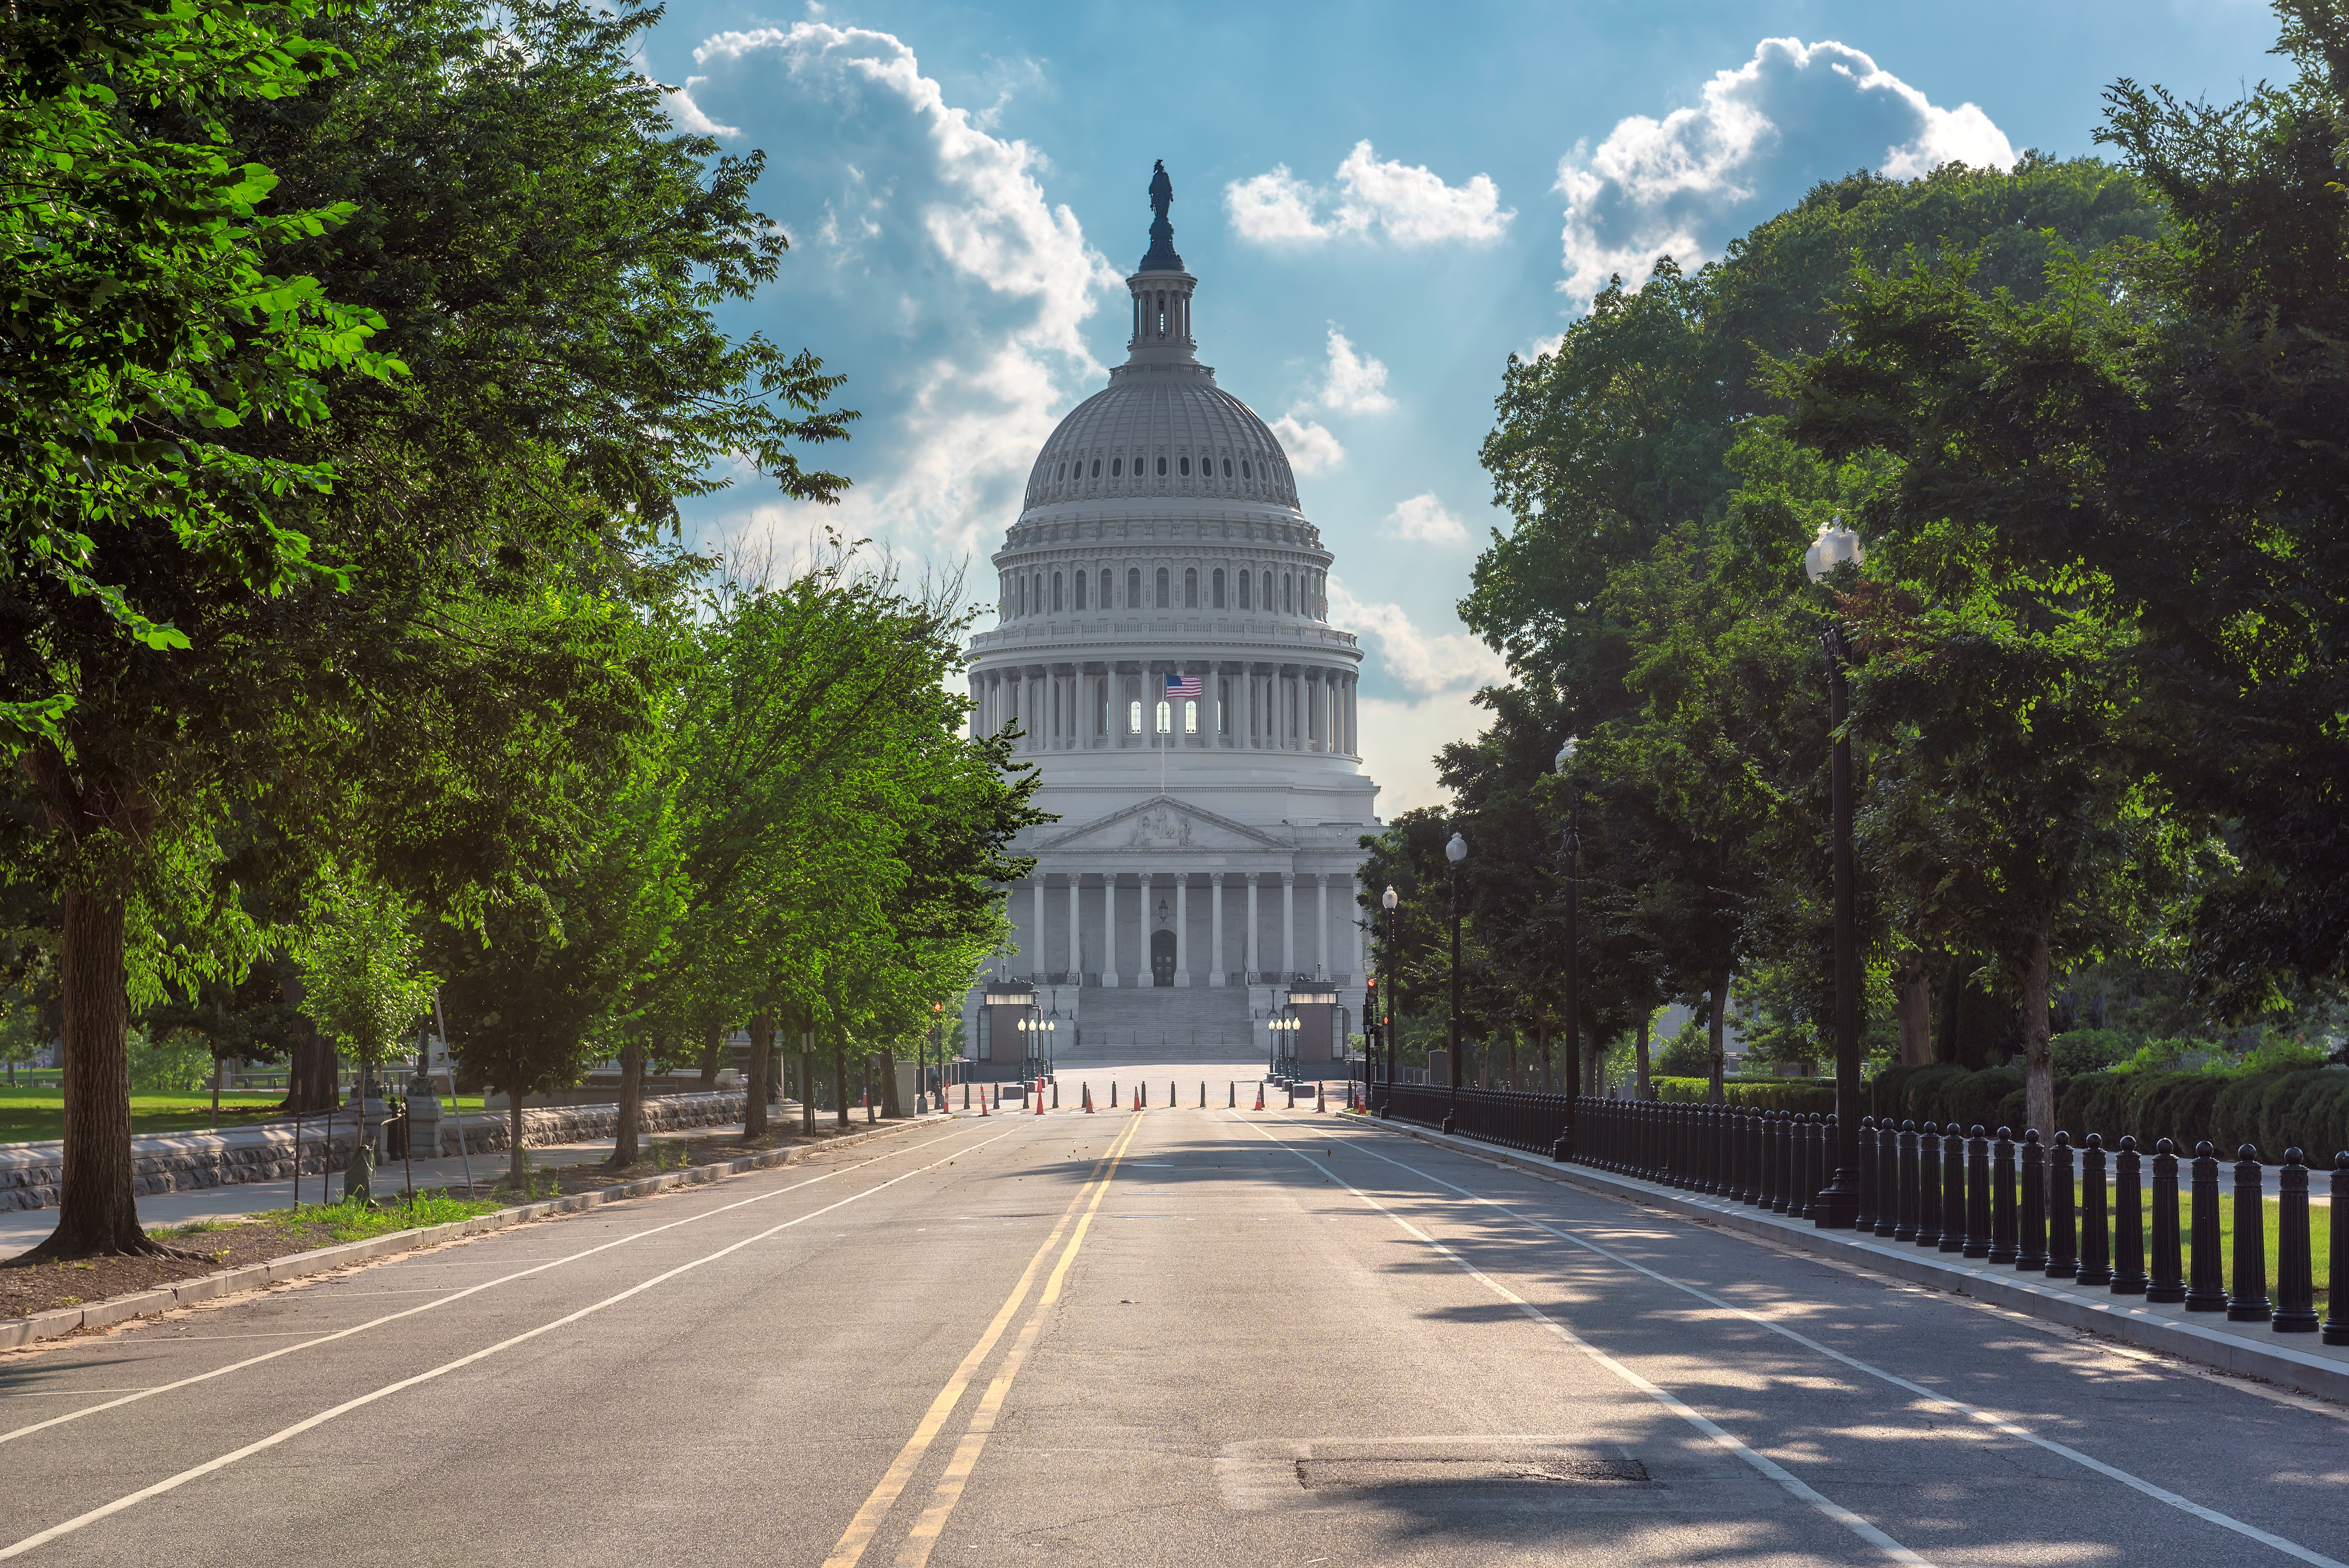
(1016, 1036)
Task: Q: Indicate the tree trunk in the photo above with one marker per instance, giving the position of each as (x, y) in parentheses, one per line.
(763, 1046)
(98, 1209)
(1715, 1062)
(1640, 1060)
(807, 1083)
(892, 1103)
(310, 1063)
(2038, 1064)
(1912, 1008)
(625, 1150)
(840, 1080)
(712, 1040)
(517, 1161)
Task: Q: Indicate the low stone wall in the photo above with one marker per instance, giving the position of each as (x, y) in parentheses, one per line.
(185, 1161)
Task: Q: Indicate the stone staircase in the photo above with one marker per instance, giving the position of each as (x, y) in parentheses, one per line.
(1162, 1024)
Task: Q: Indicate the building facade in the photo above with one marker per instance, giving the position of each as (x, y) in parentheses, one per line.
(1164, 647)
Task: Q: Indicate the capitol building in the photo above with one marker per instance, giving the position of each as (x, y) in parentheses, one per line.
(1164, 649)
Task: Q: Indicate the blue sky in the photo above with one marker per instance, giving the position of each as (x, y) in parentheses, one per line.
(1382, 203)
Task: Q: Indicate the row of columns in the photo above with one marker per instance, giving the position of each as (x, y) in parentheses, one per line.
(1038, 950)
(1081, 707)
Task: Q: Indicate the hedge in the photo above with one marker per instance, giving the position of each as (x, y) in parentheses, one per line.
(1803, 1094)
(2307, 1108)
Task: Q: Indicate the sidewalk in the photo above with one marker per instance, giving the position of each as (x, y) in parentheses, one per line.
(2245, 1349)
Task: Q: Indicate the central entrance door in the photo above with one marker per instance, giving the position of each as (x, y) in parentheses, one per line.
(1162, 958)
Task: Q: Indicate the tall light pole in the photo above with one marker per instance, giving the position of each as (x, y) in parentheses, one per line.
(1454, 851)
(1571, 850)
(1387, 902)
(1839, 1203)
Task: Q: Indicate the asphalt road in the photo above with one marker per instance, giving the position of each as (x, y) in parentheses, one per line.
(1184, 1337)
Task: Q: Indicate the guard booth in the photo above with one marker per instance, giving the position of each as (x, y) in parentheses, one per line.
(1015, 1039)
(1315, 1008)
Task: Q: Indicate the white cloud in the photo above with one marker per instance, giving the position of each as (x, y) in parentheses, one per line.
(1312, 449)
(1423, 519)
(1429, 663)
(1407, 203)
(1350, 382)
(1400, 742)
(935, 271)
(1791, 116)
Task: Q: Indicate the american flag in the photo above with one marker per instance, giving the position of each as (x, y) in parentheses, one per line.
(1182, 685)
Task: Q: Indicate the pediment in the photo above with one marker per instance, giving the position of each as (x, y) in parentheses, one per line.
(1163, 822)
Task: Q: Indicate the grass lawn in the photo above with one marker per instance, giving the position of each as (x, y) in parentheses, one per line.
(2320, 1228)
(30, 1114)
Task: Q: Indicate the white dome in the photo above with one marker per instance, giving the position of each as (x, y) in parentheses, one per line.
(1161, 430)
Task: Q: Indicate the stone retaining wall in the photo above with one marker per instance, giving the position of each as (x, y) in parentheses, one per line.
(183, 1161)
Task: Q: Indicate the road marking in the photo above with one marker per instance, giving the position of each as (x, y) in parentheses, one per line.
(861, 1529)
(12, 1435)
(1892, 1549)
(285, 1434)
(1986, 1418)
(924, 1537)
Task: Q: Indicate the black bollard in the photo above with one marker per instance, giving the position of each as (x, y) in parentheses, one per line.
(966, 1094)
(2128, 1220)
(1929, 1185)
(2031, 1244)
(1768, 1142)
(2001, 1199)
(1888, 1179)
(1904, 1183)
(2062, 1240)
(2295, 1278)
(2096, 1241)
(1978, 1203)
(2206, 1287)
(2249, 1301)
(2168, 1281)
(1953, 1189)
(1864, 1222)
(1798, 1201)
(2337, 1314)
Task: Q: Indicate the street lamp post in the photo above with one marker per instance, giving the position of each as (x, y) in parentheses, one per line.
(1839, 1203)
(1570, 849)
(1387, 901)
(1454, 851)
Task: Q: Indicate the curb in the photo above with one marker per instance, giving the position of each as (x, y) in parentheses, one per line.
(16, 1332)
(2119, 1317)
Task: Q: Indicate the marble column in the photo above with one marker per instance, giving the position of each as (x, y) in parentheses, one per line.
(1108, 928)
(1322, 901)
(1037, 960)
(1288, 922)
(1216, 972)
(1076, 929)
(1254, 960)
(1182, 928)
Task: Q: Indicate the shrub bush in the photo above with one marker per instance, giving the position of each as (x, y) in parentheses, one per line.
(2079, 1051)
(1803, 1096)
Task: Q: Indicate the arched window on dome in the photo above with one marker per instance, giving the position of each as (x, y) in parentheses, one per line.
(1134, 587)
(1164, 600)
(1079, 586)
(1190, 588)
(1183, 467)
(1023, 595)
(1243, 468)
(1062, 474)
(1096, 468)
(1116, 468)
(1216, 588)
(1057, 605)
(1287, 593)
(1133, 704)
(1039, 592)
(1108, 598)
(1246, 578)
(1227, 468)
(1267, 592)
(1162, 468)
(1165, 717)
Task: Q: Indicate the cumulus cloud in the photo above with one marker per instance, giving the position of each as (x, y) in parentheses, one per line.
(1351, 382)
(1405, 203)
(1430, 664)
(933, 269)
(1312, 449)
(1759, 137)
(1438, 670)
(1422, 517)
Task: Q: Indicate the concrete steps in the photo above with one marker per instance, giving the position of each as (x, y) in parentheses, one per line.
(1162, 1024)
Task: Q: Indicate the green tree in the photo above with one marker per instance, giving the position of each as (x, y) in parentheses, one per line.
(362, 982)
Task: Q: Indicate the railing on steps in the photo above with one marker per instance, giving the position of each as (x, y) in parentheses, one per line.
(2059, 1207)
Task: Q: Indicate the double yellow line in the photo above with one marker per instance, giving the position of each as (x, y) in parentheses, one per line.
(926, 1530)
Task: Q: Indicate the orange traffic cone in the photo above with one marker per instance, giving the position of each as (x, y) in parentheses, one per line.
(982, 1099)
(1089, 1100)
(1259, 1097)
(1137, 1099)
(1039, 1097)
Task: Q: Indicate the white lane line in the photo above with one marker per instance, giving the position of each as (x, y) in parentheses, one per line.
(171, 1483)
(27, 1430)
(1892, 1549)
(1987, 1417)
